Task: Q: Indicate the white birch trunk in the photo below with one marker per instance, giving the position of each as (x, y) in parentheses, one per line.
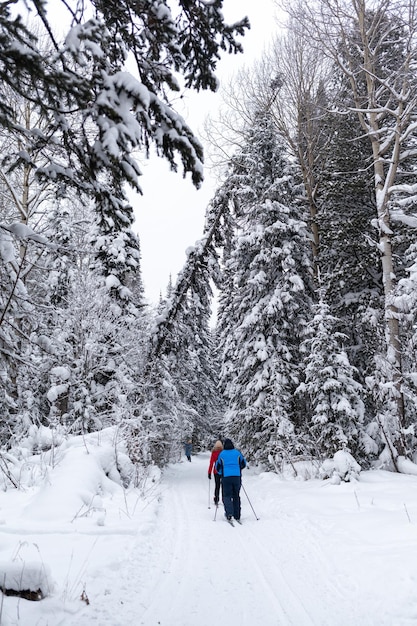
(385, 105)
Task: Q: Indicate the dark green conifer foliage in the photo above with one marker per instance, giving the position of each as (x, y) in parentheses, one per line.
(266, 303)
(349, 259)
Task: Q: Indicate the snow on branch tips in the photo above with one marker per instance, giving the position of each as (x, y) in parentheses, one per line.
(22, 231)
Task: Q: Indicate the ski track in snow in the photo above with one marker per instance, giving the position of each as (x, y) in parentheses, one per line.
(318, 556)
(186, 569)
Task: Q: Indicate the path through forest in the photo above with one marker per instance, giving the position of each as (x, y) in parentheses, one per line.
(321, 554)
(289, 568)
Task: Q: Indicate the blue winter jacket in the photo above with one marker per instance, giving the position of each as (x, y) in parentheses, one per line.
(230, 463)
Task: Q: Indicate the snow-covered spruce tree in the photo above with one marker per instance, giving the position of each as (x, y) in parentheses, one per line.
(336, 181)
(349, 258)
(181, 354)
(374, 44)
(354, 281)
(331, 389)
(156, 429)
(349, 261)
(387, 379)
(266, 303)
(159, 421)
(182, 359)
(190, 348)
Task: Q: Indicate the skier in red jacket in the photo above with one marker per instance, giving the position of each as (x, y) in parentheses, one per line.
(218, 447)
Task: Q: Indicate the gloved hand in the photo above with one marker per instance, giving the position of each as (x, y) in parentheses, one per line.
(209, 475)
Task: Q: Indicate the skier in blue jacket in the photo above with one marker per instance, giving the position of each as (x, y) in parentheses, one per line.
(229, 465)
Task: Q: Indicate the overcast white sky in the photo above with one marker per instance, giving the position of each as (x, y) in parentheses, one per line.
(170, 214)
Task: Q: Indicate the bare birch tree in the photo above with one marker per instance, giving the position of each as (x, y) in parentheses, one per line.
(298, 105)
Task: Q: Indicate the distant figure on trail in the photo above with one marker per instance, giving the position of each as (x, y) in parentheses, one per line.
(218, 447)
(188, 448)
(229, 465)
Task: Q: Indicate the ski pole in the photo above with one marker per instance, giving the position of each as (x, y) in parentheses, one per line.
(209, 496)
(257, 518)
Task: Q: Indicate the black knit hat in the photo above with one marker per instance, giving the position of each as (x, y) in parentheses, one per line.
(228, 444)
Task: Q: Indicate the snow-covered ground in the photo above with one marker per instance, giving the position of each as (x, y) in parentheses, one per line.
(320, 554)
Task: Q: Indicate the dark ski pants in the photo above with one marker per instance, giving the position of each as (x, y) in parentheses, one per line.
(217, 485)
(231, 497)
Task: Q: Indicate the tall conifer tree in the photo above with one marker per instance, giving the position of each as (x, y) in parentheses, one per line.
(333, 393)
(266, 306)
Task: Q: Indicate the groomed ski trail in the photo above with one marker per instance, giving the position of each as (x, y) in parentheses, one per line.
(264, 572)
(293, 567)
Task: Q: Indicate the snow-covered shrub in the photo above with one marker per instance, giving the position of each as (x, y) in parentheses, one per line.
(42, 438)
(116, 463)
(29, 580)
(301, 469)
(342, 467)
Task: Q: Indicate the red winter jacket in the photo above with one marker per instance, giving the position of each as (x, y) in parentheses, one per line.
(213, 459)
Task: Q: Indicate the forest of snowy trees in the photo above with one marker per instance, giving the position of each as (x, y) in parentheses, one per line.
(309, 241)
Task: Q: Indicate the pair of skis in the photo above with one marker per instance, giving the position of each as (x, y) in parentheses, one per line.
(231, 521)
